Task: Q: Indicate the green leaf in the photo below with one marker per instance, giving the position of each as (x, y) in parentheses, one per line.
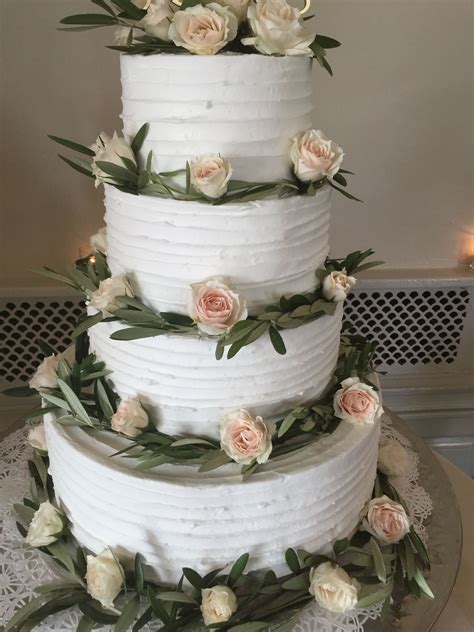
(277, 341)
(24, 513)
(104, 401)
(419, 547)
(117, 172)
(19, 391)
(237, 569)
(340, 546)
(216, 461)
(85, 624)
(253, 626)
(176, 597)
(47, 272)
(177, 319)
(340, 179)
(292, 561)
(193, 578)
(74, 403)
(371, 594)
(130, 9)
(300, 582)
(422, 583)
(157, 607)
(135, 333)
(103, 5)
(22, 615)
(94, 611)
(344, 193)
(378, 560)
(327, 42)
(80, 167)
(143, 620)
(56, 401)
(129, 614)
(90, 19)
(139, 573)
(60, 553)
(188, 177)
(193, 441)
(82, 149)
(139, 139)
(325, 64)
(88, 322)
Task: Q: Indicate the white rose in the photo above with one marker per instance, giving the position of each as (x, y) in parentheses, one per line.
(46, 526)
(130, 418)
(142, 4)
(104, 578)
(238, 8)
(245, 438)
(393, 458)
(210, 175)
(314, 156)
(108, 149)
(105, 298)
(37, 439)
(337, 285)
(157, 19)
(45, 376)
(215, 307)
(278, 29)
(357, 403)
(218, 604)
(98, 241)
(332, 587)
(203, 30)
(386, 520)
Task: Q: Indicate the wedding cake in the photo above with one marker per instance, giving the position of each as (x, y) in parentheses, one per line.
(212, 410)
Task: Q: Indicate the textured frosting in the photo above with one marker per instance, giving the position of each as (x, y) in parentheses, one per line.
(177, 518)
(245, 107)
(186, 389)
(267, 248)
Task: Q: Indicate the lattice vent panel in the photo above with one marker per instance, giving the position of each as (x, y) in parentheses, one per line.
(412, 327)
(23, 322)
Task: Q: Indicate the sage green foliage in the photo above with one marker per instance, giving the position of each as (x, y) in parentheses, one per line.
(143, 322)
(264, 600)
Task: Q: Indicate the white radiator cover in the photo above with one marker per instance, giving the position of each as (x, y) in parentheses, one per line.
(424, 326)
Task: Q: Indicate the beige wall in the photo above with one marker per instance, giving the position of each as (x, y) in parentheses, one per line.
(400, 104)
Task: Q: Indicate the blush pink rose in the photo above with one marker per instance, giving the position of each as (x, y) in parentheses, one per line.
(386, 520)
(245, 438)
(315, 156)
(357, 402)
(215, 307)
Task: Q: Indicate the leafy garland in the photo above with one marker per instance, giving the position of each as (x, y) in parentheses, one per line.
(142, 322)
(124, 13)
(263, 598)
(137, 179)
(85, 399)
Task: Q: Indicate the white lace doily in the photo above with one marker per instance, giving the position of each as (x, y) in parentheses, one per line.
(22, 568)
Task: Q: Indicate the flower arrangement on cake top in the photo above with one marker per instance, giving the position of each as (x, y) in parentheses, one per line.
(268, 27)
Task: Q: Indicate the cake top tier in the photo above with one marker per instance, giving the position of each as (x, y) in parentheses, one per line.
(244, 107)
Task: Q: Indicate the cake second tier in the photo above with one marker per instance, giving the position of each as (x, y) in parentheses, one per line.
(267, 248)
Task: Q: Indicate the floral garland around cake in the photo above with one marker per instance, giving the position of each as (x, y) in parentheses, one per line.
(80, 395)
(269, 27)
(385, 552)
(208, 179)
(215, 310)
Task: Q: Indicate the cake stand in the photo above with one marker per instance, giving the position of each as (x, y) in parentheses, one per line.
(22, 568)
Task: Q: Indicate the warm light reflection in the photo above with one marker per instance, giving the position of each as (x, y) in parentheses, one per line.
(92, 258)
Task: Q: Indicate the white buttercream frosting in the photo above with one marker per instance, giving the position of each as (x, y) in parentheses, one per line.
(245, 107)
(185, 389)
(267, 248)
(176, 517)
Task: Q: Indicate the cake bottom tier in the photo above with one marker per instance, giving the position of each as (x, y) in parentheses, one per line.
(176, 517)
